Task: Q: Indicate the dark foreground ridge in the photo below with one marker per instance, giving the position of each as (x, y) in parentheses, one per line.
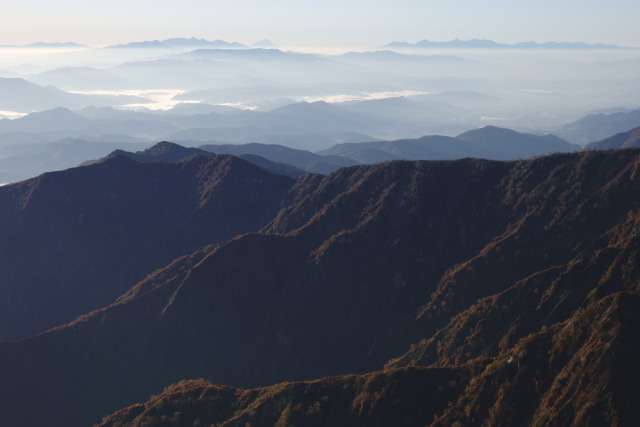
(553, 377)
(512, 285)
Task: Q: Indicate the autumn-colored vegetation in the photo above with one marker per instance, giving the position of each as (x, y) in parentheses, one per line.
(490, 293)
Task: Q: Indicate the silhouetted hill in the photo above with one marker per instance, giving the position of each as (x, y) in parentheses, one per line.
(301, 159)
(508, 144)
(488, 142)
(630, 139)
(169, 152)
(161, 152)
(349, 271)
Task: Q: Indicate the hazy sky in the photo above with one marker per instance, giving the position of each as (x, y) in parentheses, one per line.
(320, 23)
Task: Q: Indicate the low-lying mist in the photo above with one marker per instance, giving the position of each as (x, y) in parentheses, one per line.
(220, 93)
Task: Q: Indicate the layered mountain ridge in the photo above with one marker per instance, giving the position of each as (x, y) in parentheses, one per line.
(488, 142)
(254, 278)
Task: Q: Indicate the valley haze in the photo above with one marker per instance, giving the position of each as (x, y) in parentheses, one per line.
(66, 103)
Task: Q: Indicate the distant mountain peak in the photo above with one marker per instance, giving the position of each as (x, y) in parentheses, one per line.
(55, 113)
(489, 129)
(264, 43)
(163, 145)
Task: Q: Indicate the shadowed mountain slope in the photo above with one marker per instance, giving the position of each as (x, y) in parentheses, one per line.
(580, 372)
(496, 322)
(349, 271)
(402, 397)
(93, 231)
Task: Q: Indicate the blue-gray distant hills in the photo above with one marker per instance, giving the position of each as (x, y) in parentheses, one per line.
(490, 44)
(595, 127)
(628, 139)
(40, 45)
(169, 152)
(17, 94)
(178, 43)
(265, 44)
(489, 142)
(300, 159)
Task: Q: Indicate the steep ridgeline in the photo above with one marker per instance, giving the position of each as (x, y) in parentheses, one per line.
(400, 397)
(73, 241)
(169, 152)
(463, 259)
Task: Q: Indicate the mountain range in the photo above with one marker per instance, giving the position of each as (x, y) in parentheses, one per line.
(40, 45)
(595, 127)
(488, 142)
(207, 266)
(445, 94)
(629, 139)
(490, 44)
(178, 43)
(67, 138)
(169, 152)
(372, 238)
(21, 95)
(301, 159)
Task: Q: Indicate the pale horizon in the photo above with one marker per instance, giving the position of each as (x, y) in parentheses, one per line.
(306, 23)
